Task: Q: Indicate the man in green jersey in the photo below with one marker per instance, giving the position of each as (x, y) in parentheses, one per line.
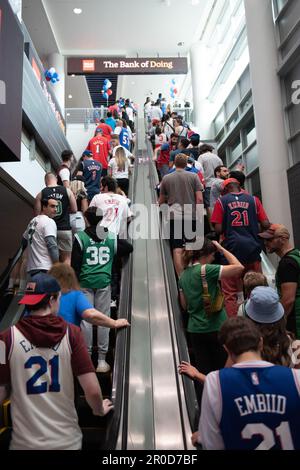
(92, 258)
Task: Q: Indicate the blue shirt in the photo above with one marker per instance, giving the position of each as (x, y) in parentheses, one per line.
(260, 407)
(111, 122)
(72, 306)
(124, 138)
(240, 227)
(92, 170)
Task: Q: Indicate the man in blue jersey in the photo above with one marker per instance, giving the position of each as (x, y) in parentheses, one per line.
(253, 405)
(91, 170)
(237, 216)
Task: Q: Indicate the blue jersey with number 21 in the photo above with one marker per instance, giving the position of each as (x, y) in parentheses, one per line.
(260, 408)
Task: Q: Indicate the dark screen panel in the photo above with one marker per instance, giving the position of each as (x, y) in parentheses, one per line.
(11, 73)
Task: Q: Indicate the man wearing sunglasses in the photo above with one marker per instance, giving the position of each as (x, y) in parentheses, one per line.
(277, 240)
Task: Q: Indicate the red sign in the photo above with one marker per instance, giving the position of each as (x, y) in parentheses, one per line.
(88, 65)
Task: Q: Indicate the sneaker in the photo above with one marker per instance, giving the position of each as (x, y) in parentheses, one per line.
(113, 303)
(103, 366)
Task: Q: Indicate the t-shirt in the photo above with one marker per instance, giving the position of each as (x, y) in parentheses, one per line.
(111, 122)
(63, 174)
(191, 284)
(209, 161)
(215, 192)
(180, 189)
(116, 173)
(99, 146)
(288, 271)
(38, 229)
(115, 212)
(72, 306)
(61, 195)
(128, 154)
(97, 260)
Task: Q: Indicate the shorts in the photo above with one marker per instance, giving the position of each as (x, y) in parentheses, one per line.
(206, 197)
(177, 235)
(64, 240)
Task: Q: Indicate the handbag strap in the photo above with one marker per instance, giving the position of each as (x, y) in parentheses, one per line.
(203, 277)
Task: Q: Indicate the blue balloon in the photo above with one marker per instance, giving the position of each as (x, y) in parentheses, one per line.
(105, 95)
(173, 81)
(53, 80)
(105, 88)
(171, 90)
(106, 81)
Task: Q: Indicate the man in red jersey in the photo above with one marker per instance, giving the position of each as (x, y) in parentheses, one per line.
(99, 147)
(106, 129)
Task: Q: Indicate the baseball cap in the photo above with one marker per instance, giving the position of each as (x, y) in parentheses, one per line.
(229, 181)
(87, 153)
(38, 288)
(263, 305)
(275, 230)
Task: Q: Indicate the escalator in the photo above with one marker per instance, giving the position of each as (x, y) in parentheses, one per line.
(160, 407)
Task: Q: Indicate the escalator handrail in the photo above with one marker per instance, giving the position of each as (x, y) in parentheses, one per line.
(122, 351)
(4, 276)
(189, 390)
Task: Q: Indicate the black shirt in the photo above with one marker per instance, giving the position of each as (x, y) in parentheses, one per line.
(60, 194)
(288, 271)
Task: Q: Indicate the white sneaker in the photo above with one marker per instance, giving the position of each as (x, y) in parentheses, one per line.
(113, 303)
(102, 366)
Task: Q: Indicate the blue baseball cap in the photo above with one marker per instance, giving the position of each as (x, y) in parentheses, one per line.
(264, 306)
(87, 153)
(38, 288)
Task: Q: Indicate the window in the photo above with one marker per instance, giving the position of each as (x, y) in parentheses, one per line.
(219, 122)
(250, 133)
(235, 150)
(251, 159)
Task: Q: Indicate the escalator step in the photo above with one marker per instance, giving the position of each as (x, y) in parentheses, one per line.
(93, 438)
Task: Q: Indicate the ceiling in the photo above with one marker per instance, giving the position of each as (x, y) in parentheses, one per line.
(144, 27)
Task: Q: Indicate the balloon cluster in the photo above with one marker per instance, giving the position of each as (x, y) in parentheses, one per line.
(173, 89)
(106, 91)
(51, 75)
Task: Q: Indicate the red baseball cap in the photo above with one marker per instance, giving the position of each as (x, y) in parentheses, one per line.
(38, 288)
(229, 181)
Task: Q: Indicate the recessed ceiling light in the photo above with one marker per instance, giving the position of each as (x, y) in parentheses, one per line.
(77, 11)
(70, 97)
(68, 114)
(73, 75)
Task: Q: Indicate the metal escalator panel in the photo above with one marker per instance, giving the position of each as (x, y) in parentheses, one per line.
(156, 418)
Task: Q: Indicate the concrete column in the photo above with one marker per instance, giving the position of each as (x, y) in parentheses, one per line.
(57, 61)
(199, 57)
(268, 110)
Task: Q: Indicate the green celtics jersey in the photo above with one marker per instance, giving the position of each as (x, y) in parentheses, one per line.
(97, 260)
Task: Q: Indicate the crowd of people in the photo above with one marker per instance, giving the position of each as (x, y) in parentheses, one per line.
(242, 333)
(69, 274)
(237, 324)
